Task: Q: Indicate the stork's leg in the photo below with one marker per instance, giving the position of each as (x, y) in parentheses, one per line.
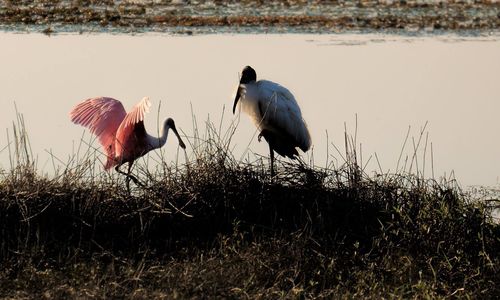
(264, 134)
(271, 154)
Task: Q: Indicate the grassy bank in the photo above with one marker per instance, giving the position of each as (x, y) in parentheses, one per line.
(220, 227)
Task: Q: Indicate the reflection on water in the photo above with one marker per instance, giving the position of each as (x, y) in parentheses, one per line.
(389, 82)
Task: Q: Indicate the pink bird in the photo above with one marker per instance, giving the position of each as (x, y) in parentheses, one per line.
(122, 135)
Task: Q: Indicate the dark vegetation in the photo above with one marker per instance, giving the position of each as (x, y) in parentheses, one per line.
(252, 16)
(218, 227)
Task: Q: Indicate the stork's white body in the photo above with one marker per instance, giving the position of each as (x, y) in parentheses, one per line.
(273, 109)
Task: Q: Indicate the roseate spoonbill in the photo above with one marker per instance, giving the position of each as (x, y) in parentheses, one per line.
(275, 112)
(121, 134)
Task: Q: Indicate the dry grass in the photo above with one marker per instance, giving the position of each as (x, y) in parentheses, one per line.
(218, 227)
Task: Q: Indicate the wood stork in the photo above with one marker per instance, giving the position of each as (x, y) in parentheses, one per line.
(275, 112)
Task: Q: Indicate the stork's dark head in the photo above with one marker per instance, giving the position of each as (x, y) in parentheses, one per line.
(248, 75)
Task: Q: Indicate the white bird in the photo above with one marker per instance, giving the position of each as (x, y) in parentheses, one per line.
(275, 112)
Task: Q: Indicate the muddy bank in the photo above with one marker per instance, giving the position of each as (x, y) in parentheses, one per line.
(249, 16)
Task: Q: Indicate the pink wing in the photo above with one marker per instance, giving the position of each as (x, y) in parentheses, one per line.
(134, 118)
(102, 116)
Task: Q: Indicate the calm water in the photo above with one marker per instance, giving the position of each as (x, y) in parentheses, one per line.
(389, 82)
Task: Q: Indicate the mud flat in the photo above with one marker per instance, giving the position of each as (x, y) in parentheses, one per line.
(250, 16)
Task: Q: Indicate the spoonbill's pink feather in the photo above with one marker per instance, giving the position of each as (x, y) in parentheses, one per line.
(106, 118)
(131, 134)
(102, 116)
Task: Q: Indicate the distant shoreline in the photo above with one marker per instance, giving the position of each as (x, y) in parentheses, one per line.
(251, 17)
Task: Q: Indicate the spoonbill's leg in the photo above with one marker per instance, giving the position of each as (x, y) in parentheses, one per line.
(117, 169)
(129, 176)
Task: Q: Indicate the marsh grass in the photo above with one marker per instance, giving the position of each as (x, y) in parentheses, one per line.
(216, 226)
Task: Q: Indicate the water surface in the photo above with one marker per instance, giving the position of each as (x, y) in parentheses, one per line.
(389, 82)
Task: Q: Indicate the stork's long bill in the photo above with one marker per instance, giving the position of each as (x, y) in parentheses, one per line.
(236, 98)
